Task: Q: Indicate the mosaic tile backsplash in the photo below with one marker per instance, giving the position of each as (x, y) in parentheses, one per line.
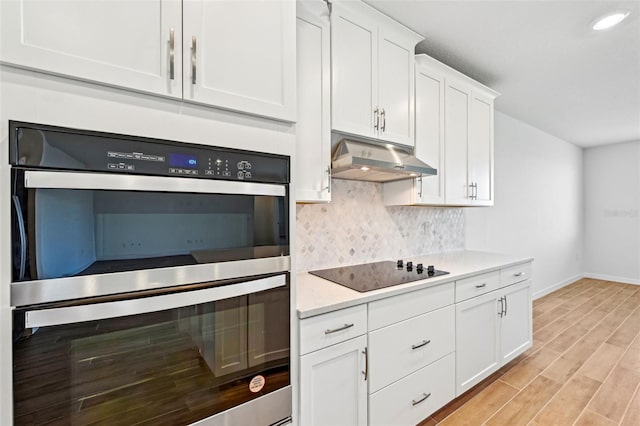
(356, 227)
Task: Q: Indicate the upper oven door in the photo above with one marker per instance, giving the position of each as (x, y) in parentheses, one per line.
(80, 234)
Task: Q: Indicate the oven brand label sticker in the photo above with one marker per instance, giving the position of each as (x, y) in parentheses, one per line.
(256, 384)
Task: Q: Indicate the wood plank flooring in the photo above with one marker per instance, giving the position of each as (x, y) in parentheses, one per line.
(583, 367)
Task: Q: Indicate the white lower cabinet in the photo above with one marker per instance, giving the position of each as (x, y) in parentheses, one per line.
(333, 388)
(477, 340)
(516, 324)
(396, 360)
(491, 330)
(402, 348)
(412, 399)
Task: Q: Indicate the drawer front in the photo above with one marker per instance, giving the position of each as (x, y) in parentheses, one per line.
(400, 349)
(399, 308)
(515, 274)
(414, 398)
(477, 285)
(331, 328)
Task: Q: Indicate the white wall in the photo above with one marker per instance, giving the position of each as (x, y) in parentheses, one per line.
(538, 204)
(612, 212)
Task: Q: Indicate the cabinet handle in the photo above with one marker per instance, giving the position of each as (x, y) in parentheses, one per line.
(471, 191)
(344, 327)
(384, 120)
(506, 306)
(481, 285)
(475, 190)
(519, 274)
(366, 364)
(501, 313)
(172, 53)
(193, 59)
(376, 117)
(424, 343)
(420, 192)
(424, 397)
(328, 187)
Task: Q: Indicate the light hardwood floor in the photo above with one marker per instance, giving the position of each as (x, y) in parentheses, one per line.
(583, 368)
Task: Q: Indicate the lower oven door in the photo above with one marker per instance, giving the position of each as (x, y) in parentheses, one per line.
(216, 355)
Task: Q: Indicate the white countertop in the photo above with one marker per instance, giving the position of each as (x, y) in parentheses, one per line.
(316, 295)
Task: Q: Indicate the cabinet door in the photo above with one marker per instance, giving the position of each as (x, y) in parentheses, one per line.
(127, 44)
(333, 390)
(516, 323)
(430, 133)
(457, 106)
(230, 336)
(354, 71)
(313, 127)
(396, 87)
(480, 160)
(240, 55)
(477, 340)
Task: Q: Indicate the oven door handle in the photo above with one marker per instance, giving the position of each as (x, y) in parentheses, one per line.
(122, 182)
(98, 311)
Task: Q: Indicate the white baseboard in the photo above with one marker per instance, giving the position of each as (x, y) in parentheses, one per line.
(614, 278)
(538, 294)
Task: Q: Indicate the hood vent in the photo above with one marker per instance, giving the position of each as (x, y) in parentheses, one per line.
(377, 163)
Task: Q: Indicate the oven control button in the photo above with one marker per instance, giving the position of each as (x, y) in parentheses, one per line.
(247, 175)
(240, 166)
(241, 175)
(208, 172)
(247, 165)
(112, 166)
(226, 173)
(131, 167)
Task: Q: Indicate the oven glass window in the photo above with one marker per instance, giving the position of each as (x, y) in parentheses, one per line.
(169, 367)
(85, 232)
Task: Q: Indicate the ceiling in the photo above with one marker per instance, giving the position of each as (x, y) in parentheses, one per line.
(552, 70)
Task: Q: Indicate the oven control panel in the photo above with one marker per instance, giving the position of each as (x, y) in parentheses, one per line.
(54, 147)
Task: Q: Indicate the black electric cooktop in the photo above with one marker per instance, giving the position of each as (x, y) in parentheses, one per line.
(374, 276)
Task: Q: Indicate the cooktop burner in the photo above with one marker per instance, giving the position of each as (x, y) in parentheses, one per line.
(374, 276)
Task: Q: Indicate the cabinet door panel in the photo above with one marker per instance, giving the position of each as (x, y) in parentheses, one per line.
(477, 340)
(313, 127)
(332, 387)
(481, 149)
(353, 72)
(125, 44)
(430, 133)
(244, 56)
(457, 102)
(516, 324)
(395, 89)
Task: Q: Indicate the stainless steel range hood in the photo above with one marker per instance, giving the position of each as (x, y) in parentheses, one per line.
(378, 163)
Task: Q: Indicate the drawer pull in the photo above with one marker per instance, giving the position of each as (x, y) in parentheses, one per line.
(424, 343)
(366, 364)
(335, 330)
(519, 274)
(481, 285)
(424, 397)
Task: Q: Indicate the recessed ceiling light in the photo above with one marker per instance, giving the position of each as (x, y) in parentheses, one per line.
(364, 168)
(609, 20)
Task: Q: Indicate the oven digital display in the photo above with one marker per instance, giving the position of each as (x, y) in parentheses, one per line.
(183, 160)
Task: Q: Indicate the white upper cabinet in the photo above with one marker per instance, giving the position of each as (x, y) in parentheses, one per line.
(236, 55)
(480, 158)
(372, 59)
(454, 135)
(313, 125)
(134, 44)
(457, 107)
(240, 55)
(468, 143)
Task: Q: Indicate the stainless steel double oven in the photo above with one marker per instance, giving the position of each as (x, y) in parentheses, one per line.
(150, 281)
